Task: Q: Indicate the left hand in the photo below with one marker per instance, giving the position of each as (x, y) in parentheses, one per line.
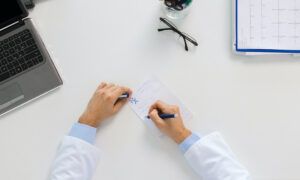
(104, 104)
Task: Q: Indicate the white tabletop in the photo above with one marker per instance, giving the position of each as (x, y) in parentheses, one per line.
(253, 101)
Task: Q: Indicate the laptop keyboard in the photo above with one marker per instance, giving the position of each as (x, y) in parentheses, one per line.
(18, 53)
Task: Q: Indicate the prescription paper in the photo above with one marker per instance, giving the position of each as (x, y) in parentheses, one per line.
(147, 93)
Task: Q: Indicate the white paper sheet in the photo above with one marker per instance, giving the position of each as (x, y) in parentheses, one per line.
(147, 93)
(269, 24)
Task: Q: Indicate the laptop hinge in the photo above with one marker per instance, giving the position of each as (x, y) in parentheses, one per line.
(11, 27)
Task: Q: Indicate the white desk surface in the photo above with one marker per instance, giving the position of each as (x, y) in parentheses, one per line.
(253, 101)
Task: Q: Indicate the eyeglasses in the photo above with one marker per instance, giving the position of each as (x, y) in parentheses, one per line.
(172, 27)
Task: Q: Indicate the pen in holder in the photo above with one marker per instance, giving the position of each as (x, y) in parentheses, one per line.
(176, 9)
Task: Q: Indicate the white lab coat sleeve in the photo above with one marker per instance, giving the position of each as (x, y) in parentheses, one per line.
(75, 160)
(213, 159)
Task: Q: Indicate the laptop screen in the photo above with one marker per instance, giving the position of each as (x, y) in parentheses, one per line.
(10, 10)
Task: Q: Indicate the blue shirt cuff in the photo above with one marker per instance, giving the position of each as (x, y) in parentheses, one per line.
(83, 132)
(188, 142)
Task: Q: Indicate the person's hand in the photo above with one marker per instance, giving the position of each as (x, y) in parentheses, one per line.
(174, 128)
(104, 104)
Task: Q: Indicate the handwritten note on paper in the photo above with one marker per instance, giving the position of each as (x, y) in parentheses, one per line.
(150, 91)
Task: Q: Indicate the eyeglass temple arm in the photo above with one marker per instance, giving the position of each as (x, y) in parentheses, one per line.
(184, 36)
(192, 41)
(185, 44)
(164, 29)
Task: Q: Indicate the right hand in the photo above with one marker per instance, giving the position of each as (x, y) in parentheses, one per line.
(174, 128)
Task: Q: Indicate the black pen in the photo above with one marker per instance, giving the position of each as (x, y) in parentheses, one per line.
(166, 116)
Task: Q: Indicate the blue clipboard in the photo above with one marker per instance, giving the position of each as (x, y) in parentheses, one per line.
(255, 50)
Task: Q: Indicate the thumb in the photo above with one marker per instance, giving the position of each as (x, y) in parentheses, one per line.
(156, 119)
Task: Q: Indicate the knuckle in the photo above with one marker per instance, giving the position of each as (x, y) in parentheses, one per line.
(152, 114)
(102, 84)
(175, 108)
(122, 88)
(103, 93)
(158, 102)
(126, 89)
(109, 96)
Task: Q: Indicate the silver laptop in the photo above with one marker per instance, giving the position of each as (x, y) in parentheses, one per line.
(26, 69)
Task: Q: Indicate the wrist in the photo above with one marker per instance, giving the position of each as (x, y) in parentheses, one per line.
(85, 119)
(180, 137)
